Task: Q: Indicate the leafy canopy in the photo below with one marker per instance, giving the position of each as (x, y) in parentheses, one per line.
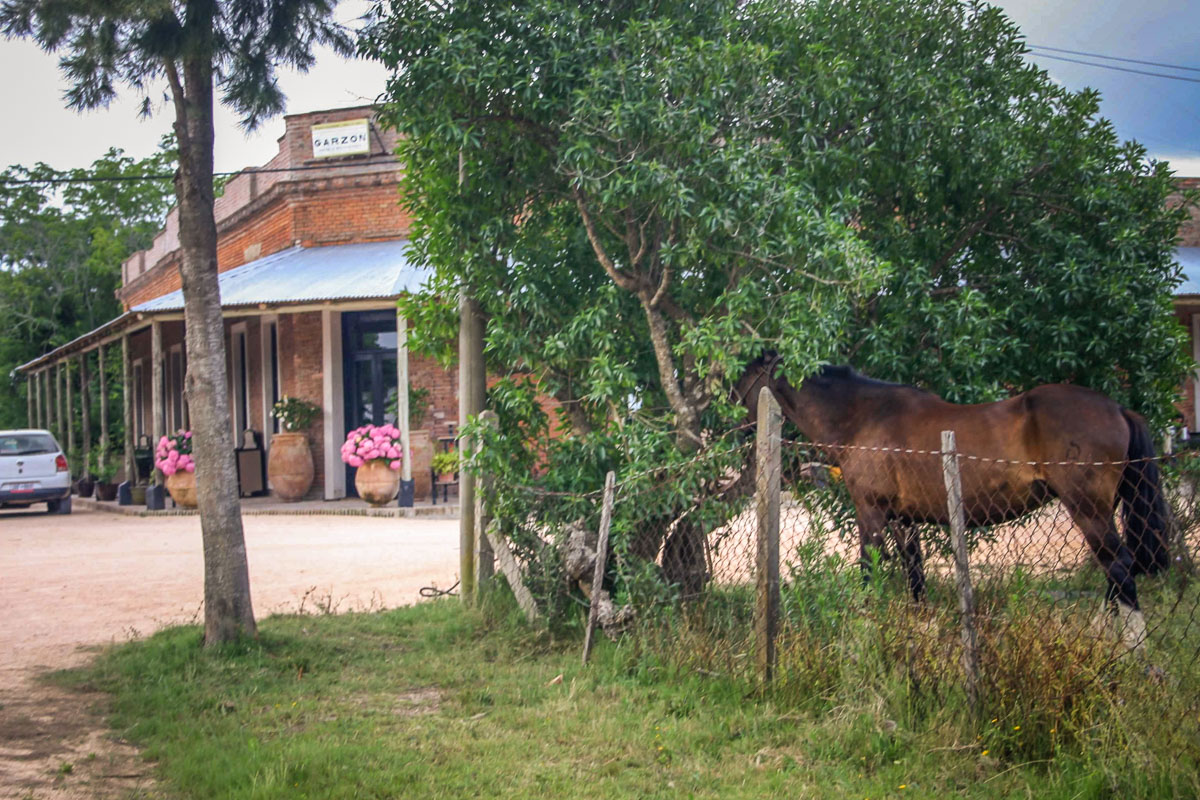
(62, 240)
(644, 195)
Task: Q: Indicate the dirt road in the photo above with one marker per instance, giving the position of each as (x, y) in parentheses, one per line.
(67, 583)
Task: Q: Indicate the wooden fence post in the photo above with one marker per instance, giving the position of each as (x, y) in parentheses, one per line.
(485, 558)
(766, 501)
(962, 574)
(610, 481)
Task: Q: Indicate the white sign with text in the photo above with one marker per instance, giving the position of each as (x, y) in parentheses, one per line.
(349, 138)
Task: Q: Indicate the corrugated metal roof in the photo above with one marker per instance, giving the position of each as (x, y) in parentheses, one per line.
(1189, 259)
(306, 274)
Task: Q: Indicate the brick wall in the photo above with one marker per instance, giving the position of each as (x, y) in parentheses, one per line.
(334, 201)
(300, 376)
(1190, 231)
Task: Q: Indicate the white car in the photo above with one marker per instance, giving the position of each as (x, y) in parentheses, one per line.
(33, 469)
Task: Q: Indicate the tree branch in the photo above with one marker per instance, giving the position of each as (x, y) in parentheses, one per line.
(626, 282)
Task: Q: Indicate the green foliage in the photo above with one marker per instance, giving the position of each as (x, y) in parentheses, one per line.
(103, 463)
(445, 462)
(141, 44)
(61, 247)
(295, 414)
(643, 196)
(887, 183)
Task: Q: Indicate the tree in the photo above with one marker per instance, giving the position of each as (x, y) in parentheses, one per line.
(646, 195)
(63, 236)
(198, 47)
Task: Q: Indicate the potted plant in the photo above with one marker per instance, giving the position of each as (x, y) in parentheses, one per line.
(290, 464)
(445, 464)
(374, 451)
(174, 458)
(104, 467)
(81, 471)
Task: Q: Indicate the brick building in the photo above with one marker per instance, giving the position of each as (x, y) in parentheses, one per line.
(312, 257)
(1187, 301)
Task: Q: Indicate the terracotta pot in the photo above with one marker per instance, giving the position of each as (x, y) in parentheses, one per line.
(290, 466)
(376, 482)
(182, 486)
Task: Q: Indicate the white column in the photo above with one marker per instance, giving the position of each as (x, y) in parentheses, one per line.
(333, 403)
(402, 394)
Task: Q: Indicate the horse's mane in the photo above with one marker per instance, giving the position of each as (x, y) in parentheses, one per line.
(843, 373)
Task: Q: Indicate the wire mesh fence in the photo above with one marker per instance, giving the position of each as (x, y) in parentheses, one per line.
(1085, 612)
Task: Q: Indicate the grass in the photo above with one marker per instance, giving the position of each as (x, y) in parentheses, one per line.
(442, 701)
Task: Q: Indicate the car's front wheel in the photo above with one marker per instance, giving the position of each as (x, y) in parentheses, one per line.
(59, 506)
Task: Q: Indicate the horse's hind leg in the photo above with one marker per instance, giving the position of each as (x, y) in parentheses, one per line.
(1117, 561)
(908, 543)
(871, 544)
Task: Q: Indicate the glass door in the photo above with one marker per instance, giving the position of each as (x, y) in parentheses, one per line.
(369, 353)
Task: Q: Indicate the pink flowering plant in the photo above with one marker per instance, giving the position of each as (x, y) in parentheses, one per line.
(373, 443)
(174, 453)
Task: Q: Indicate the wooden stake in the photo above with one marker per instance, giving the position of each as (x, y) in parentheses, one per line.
(962, 574)
(766, 501)
(610, 481)
(485, 557)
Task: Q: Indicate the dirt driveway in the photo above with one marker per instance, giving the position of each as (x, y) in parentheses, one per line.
(67, 583)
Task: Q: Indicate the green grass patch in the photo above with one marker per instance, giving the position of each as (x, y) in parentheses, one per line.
(441, 701)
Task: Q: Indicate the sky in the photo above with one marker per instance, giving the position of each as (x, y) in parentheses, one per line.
(1162, 114)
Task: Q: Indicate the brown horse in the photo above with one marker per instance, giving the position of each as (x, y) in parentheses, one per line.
(1017, 445)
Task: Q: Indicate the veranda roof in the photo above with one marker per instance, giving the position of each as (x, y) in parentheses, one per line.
(365, 271)
(305, 274)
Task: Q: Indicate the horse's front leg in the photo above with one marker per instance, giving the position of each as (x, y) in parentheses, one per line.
(908, 543)
(871, 544)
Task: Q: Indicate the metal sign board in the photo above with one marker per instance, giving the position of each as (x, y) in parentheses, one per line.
(349, 138)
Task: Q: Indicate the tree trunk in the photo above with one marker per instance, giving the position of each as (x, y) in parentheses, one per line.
(227, 609)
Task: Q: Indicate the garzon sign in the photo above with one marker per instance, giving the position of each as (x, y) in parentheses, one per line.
(349, 138)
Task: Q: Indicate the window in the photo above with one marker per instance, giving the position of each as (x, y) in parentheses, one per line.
(139, 402)
(270, 360)
(175, 405)
(240, 382)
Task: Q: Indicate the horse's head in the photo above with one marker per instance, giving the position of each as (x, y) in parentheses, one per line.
(758, 373)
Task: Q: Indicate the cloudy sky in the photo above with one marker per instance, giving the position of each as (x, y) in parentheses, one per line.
(1162, 113)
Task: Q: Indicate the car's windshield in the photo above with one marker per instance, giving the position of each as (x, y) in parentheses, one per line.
(27, 444)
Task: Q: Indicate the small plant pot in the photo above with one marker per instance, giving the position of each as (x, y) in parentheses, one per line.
(290, 466)
(377, 483)
(106, 492)
(182, 486)
(137, 495)
(84, 487)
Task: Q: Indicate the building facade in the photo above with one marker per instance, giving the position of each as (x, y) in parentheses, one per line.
(312, 256)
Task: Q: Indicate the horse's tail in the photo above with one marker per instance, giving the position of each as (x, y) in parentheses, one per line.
(1144, 508)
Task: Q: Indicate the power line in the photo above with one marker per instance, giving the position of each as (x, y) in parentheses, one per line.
(1122, 69)
(171, 176)
(1114, 58)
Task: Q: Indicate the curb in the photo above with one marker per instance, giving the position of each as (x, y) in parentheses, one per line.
(431, 512)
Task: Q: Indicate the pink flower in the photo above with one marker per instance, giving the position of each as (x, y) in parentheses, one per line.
(190, 467)
(395, 464)
(168, 469)
(187, 435)
(354, 461)
(173, 456)
(164, 442)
